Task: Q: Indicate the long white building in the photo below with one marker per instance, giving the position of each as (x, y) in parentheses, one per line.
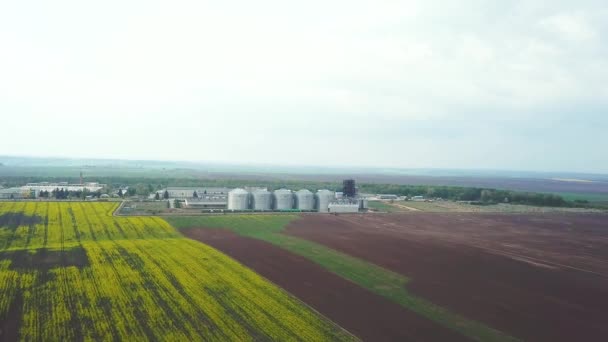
(188, 192)
(45, 186)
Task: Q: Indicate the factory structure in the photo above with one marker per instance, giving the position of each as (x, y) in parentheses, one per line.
(261, 199)
(33, 190)
(46, 186)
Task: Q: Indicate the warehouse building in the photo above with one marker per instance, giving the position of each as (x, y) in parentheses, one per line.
(207, 202)
(344, 206)
(45, 186)
(15, 193)
(189, 192)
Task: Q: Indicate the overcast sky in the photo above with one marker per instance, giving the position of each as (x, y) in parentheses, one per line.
(447, 84)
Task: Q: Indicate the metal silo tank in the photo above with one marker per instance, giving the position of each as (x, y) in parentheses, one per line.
(238, 199)
(261, 200)
(305, 200)
(324, 197)
(283, 199)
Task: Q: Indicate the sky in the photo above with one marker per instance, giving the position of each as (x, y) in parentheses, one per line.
(518, 85)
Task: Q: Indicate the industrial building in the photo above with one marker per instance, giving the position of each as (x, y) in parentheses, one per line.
(189, 192)
(347, 201)
(207, 202)
(46, 186)
(15, 193)
(260, 199)
(344, 206)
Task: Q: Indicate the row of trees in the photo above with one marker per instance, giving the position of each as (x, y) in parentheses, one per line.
(481, 195)
(65, 194)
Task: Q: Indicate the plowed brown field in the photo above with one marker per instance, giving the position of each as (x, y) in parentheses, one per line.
(368, 316)
(536, 277)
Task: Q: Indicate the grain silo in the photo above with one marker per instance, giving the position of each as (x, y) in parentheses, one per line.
(283, 199)
(324, 197)
(261, 200)
(305, 200)
(238, 199)
(363, 204)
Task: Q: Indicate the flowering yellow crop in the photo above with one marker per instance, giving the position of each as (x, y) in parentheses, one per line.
(71, 271)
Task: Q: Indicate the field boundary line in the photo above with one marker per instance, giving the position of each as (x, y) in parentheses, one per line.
(273, 283)
(116, 212)
(516, 256)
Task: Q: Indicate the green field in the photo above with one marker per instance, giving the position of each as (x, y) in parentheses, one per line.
(71, 271)
(377, 279)
(382, 206)
(144, 208)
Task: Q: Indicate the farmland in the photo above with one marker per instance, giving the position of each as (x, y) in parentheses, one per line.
(461, 207)
(71, 271)
(378, 280)
(537, 277)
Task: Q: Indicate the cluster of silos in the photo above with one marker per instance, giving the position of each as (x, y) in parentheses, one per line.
(282, 199)
(324, 197)
(238, 199)
(261, 200)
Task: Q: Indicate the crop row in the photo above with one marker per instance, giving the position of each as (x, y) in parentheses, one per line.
(137, 279)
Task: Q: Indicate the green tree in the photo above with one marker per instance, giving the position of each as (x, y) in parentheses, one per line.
(157, 196)
(166, 195)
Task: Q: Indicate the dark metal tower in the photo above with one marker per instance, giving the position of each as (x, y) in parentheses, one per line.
(348, 188)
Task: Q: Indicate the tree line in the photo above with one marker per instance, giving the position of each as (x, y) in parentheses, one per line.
(61, 193)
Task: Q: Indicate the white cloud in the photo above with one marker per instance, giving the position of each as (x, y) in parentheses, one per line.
(192, 68)
(570, 26)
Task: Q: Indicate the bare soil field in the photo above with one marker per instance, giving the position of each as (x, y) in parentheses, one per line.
(368, 316)
(461, 207)
(538, 277)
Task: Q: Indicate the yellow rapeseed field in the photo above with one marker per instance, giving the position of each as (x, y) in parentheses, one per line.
(71, 271)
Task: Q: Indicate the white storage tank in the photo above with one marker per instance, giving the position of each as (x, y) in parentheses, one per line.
(305, 200)
(261, 200)
(363, 205)
(283, 199)
(238, 199)
(324, 197)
